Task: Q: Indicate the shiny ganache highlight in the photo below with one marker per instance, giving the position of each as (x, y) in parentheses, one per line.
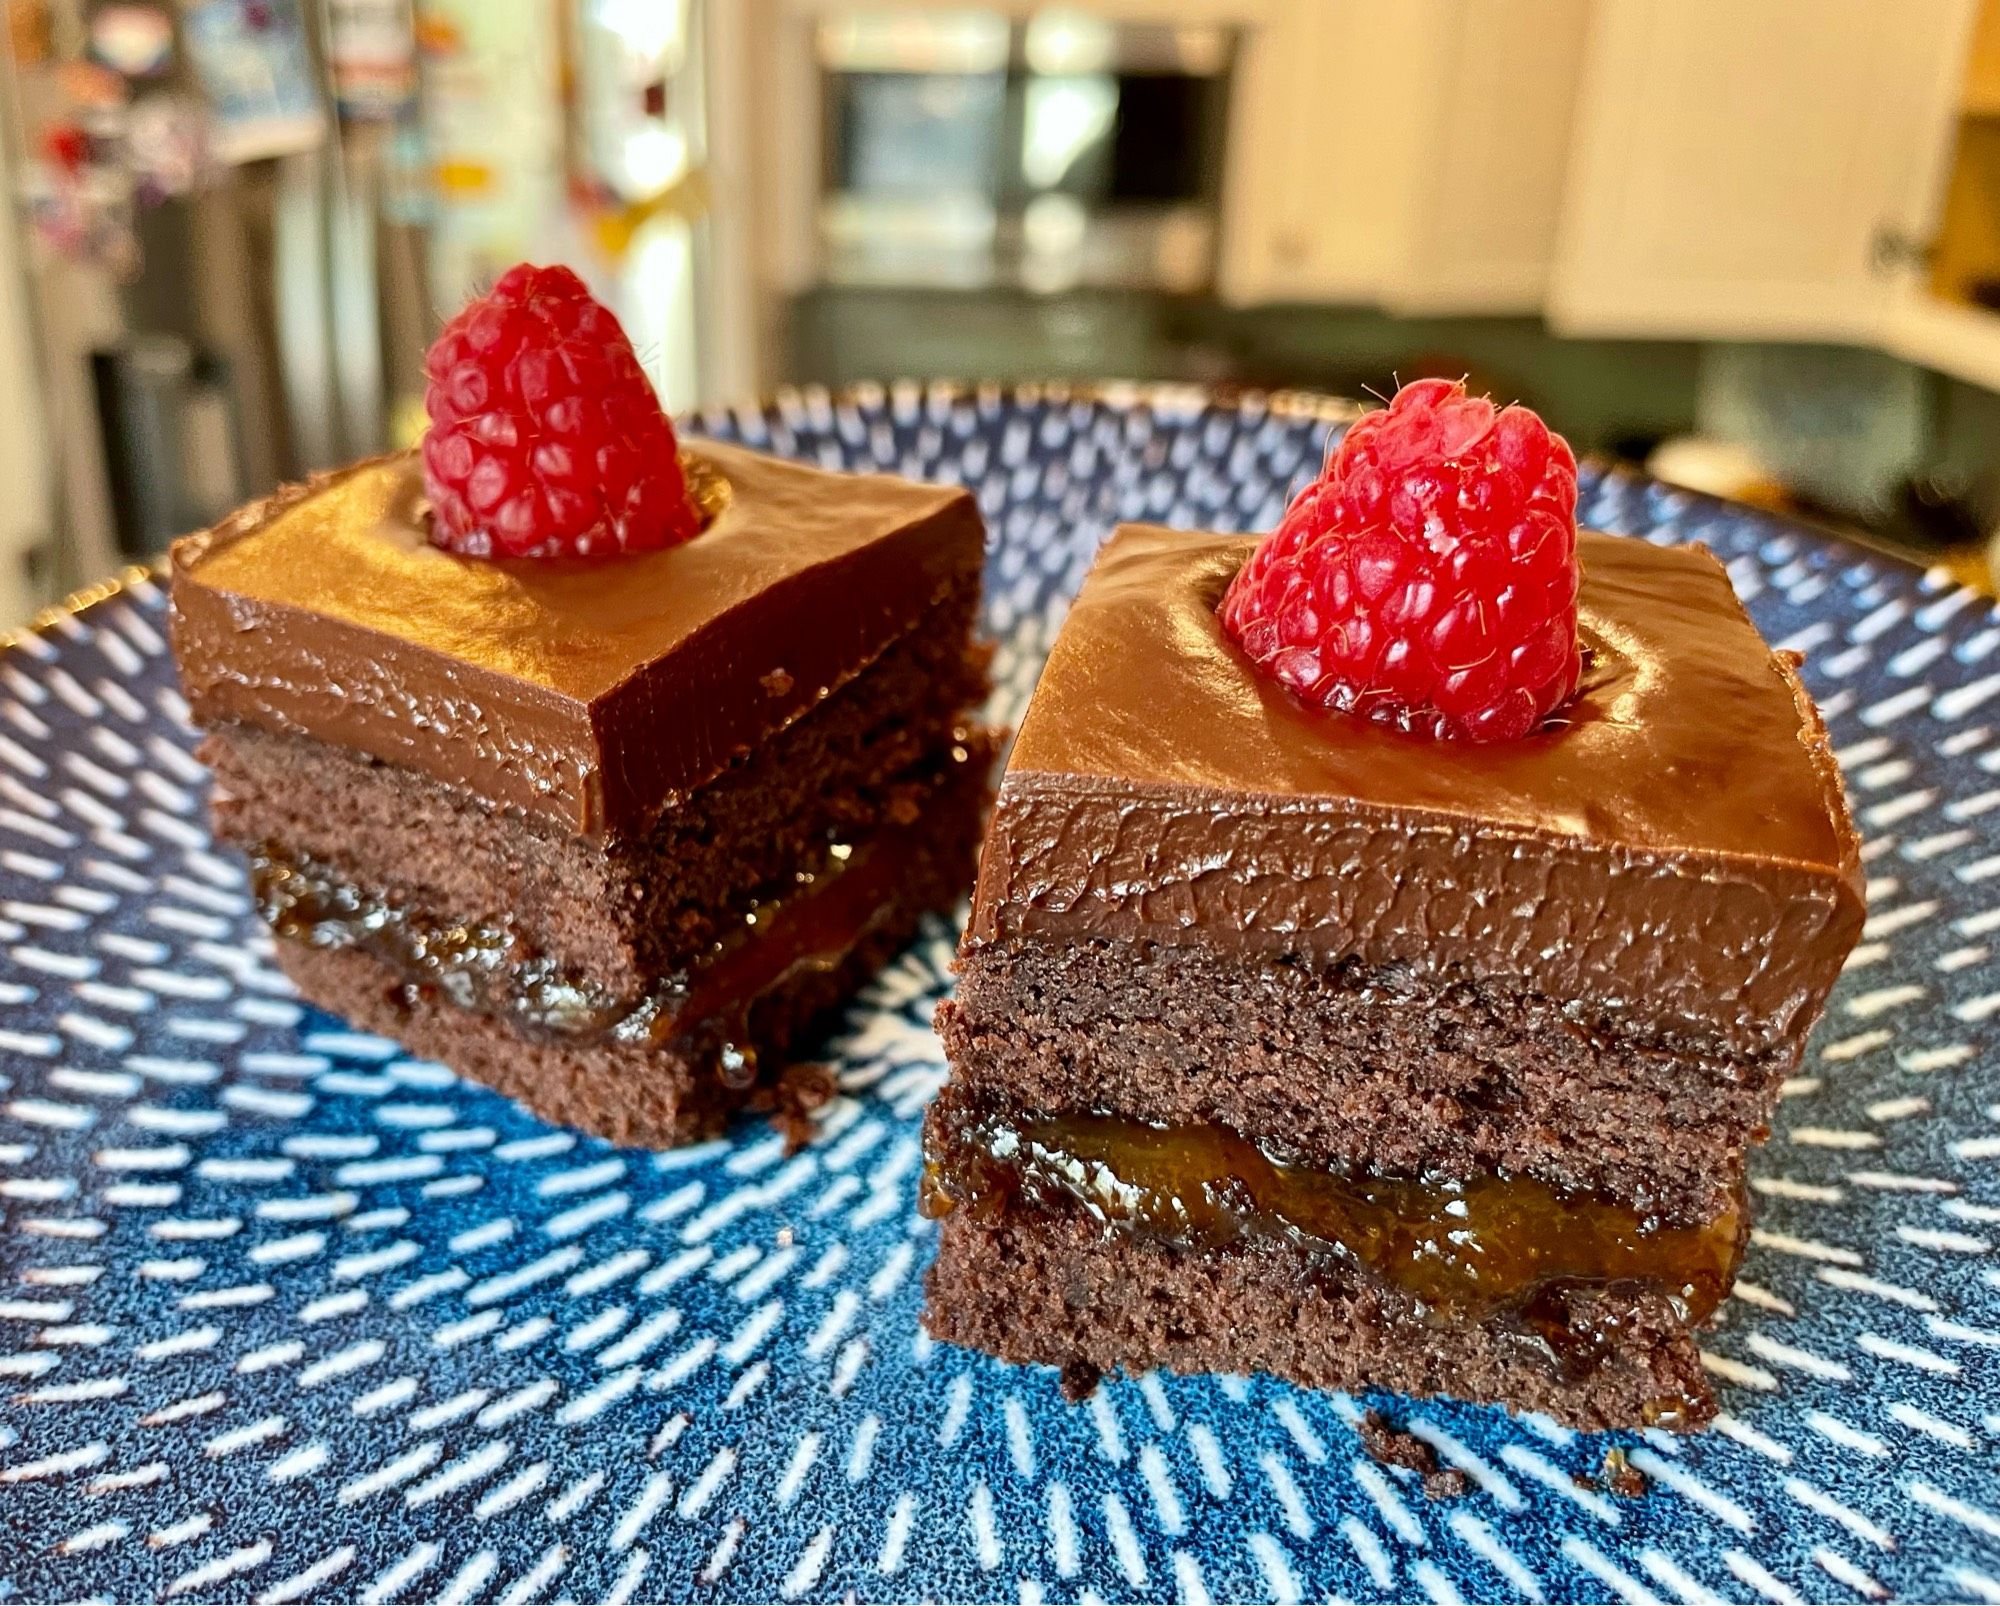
(592, 693)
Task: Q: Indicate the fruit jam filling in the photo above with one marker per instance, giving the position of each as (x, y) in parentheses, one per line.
(1465, 1251)
(485, 967)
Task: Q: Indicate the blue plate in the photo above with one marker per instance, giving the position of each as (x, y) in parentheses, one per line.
(285, 1315)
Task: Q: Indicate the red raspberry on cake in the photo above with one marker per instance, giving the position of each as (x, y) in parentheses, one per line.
(546, 437)
(1428, 578)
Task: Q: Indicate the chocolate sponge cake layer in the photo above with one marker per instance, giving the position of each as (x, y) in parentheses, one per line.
(1052, 1289)
(1508, 1266)
(621, 909)
(643, 989)
(663, 1080)
(1355, 1069)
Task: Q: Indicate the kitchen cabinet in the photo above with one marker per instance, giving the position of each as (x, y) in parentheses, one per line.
(1756, 169)
(1409, 155)
(1947, 309)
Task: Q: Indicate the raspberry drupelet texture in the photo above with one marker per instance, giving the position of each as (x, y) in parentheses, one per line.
(1428, 578)
(546, 438)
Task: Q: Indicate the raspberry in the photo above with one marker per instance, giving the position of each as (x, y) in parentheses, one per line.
(1427, 579)
(546, 439)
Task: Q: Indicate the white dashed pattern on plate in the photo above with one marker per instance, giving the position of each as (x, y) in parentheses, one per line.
(285, 1315)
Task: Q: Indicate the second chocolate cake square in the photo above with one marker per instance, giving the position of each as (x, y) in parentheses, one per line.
(1287, 1042)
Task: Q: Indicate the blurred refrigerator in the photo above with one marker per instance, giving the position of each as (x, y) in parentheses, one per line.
(241, 221)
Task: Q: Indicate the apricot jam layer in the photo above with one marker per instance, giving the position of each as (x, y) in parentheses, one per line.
(1465, 1251)
(489, 968)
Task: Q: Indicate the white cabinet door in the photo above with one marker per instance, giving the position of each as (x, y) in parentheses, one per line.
(1735, 163)
(1496, 142)
(1410, 154)
(1322, 158)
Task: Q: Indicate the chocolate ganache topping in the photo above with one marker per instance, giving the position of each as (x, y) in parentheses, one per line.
(593, 693)
(1673, 846)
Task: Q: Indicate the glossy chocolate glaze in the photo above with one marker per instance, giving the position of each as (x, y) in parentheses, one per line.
(591, 692)
(1674, 848)
(1504, 1248)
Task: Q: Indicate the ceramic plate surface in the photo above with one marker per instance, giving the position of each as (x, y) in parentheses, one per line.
(287, 1315)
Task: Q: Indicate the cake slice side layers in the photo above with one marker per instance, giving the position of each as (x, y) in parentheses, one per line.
(612, 836)
(1559, 978)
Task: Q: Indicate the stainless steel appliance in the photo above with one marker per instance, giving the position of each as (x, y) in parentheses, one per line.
(1047, 150)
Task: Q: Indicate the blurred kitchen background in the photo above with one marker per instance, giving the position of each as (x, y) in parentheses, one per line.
(1753, 244)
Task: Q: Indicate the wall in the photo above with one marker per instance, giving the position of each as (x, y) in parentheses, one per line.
(25, 513)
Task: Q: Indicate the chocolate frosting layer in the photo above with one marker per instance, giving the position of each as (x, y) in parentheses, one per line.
(1674, 850)
(593, 692)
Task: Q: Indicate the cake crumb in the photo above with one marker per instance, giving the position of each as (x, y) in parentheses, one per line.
(1079, 1381)
(1393, 1446)
(799, 1092)
(1622, 1478)
(776, 683)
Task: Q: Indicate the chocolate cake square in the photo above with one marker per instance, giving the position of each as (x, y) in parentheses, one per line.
(1285, 1041)
(608, 835)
